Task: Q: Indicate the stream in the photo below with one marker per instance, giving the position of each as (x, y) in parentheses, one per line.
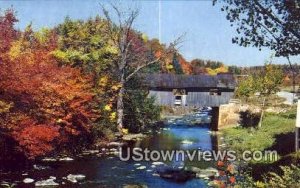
(110, 171)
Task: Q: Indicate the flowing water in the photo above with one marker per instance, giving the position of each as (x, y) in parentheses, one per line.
(110, 171)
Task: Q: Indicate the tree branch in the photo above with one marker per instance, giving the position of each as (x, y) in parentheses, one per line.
(263, 10)
(139, 68)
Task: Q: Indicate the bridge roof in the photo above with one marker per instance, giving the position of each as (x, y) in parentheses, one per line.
(181, 81)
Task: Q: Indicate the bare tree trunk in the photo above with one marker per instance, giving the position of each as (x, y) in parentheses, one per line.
(120, 102)
(120, 107)
(262, 113)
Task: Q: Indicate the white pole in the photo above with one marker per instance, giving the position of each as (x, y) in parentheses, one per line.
(159, 20)
(298, 115)
(296, 139)
(297, 127)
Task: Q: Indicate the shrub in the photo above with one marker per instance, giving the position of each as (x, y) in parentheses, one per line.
(290, 177)
(249, 119)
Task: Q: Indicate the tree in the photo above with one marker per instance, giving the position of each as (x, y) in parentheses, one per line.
(43, 106)
(234, 70)
(177, 65)
(269, 80)
(140, 111)
(272, 24)
(132, 56)
(266, 83)
(245, 88)
(7, 31)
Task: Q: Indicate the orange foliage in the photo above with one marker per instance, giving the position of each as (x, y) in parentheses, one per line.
(50, 104)
(186, 67)
(7, 31)
(36, 140)
(158, 54)
(220, 163)
(232, 179)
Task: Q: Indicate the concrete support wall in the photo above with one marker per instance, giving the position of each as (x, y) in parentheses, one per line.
(229, 115)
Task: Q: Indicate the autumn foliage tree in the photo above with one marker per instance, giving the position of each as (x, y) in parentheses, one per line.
(7, 31)
(132, 55)
(45, 105)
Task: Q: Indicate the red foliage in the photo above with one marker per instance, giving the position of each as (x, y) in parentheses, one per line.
(35, 140)
(50, 103)
(7, 31)
(232, 180)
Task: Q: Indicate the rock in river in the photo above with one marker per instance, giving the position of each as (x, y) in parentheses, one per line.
(40, 167)
(28, 180)
(186, 142)
(176, 175)
(49, 159)
(115, 144)
(48, 182)
(66, 159)
(157, 163)
(141, 168)
(75, 178)
(207, 173)
(133, 137)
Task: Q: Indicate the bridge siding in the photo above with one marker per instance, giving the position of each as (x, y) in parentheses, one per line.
(167, 98)
(205, 99)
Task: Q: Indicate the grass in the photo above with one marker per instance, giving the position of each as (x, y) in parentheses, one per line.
(273, 128)
(276, 133)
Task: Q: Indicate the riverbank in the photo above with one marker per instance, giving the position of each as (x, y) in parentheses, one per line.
(276, 134)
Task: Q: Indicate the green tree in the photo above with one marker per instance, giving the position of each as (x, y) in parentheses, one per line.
(245, 88)
(266, 83)
(272, 24)
(85, 44)
(176, 64)
(140, 111)
(269, 81)
(234, 69)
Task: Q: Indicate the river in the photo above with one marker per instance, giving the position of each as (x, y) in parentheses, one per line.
(110, 171)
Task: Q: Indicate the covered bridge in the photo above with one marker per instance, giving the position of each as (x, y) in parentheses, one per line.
(191, 90)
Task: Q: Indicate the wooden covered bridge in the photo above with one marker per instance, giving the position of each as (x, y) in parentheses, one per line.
(192, 91)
